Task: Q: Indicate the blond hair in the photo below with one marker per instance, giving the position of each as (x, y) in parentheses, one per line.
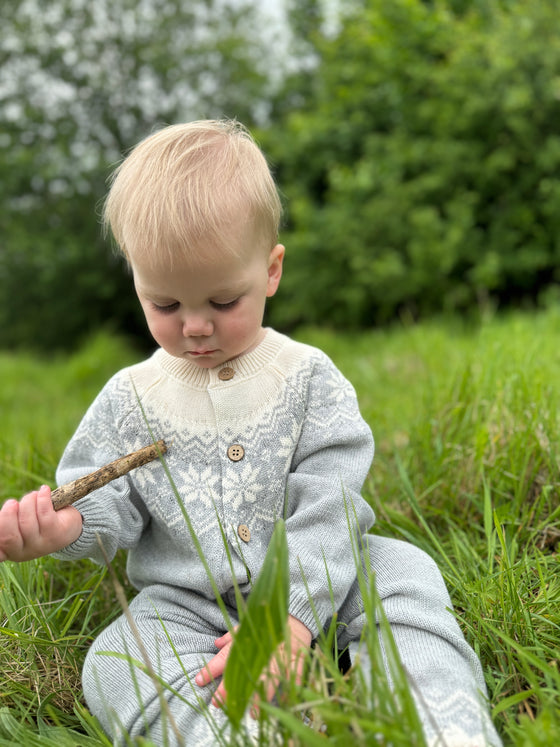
(183, 189)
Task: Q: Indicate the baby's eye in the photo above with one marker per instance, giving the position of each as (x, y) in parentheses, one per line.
(224, 306)
(168, 309)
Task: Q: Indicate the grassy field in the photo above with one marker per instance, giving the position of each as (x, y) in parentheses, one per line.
(467, 467)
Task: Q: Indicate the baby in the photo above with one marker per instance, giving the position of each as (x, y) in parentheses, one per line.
(261, 427)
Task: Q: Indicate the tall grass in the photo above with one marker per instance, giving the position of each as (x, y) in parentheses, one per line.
(467, 467)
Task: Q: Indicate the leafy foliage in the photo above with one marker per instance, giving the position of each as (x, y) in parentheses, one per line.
(421, 174)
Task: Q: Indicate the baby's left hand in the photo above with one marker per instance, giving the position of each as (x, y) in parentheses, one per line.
(290, 656)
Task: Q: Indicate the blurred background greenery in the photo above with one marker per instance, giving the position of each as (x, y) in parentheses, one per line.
(416, 146)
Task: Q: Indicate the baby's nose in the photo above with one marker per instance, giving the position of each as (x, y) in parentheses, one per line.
(197, 325)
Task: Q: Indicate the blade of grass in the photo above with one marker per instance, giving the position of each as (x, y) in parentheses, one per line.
(261, 629)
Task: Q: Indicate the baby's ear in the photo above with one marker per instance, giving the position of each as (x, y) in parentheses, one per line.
(275, 261)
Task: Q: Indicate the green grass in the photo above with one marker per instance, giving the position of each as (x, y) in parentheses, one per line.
(467, 467)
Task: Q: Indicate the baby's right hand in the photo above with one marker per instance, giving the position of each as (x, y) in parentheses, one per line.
(31, 528)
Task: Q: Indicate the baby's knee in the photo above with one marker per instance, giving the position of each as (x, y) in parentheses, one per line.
(127, 700)
(391, 553)
(402, 568)
(104, 677)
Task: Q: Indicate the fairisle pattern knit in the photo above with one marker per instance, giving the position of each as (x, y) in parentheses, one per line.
(282, 438)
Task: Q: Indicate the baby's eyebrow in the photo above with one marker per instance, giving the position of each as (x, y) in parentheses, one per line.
(155, 297)
(230, 290)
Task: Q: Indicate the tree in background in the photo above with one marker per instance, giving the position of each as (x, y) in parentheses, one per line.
(81, 83)
(422, 170)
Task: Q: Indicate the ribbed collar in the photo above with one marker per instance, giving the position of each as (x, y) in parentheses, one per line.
(245, 365)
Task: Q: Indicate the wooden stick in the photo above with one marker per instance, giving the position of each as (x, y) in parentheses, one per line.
(67, 494)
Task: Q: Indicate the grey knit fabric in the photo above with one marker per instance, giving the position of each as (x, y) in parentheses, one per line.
(282, 438)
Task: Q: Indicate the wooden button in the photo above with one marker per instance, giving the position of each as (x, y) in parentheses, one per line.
(244, 532)
(226, 373)
(236, 452)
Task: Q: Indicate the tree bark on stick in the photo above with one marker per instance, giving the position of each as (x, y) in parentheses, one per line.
(67, 494)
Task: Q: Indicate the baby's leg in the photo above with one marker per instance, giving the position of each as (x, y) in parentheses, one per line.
(444, 672)
(125, 699)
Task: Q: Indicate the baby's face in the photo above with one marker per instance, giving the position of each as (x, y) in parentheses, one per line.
(208, 313)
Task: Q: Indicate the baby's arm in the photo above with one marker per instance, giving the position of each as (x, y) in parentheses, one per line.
(326, 514)
(30, 528)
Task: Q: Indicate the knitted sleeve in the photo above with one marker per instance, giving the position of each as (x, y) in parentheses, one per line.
(326, 513)
(114, 513)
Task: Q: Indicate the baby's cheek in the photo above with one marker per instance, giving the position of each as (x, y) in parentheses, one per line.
(160, 329)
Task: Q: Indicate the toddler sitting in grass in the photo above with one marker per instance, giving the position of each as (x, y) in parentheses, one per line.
(260, 427)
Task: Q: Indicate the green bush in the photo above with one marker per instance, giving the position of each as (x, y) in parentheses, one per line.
(60, 284)
(422, 172)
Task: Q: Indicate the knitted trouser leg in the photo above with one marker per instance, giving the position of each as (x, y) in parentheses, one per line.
(178, 642)
(443, 671)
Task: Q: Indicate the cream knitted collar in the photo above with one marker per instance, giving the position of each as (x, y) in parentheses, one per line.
(246, 365)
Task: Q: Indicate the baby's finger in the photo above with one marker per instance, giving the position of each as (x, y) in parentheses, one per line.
(271, 679)
(283, 667)
(47, 517)
(10, 536)
(214, 668)
(219, 697)
(44, 502)
(27, 517)
(223, 640)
